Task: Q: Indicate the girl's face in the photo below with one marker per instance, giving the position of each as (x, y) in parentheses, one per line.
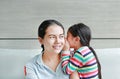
(54, 39)
(70, 39)
(73, 41)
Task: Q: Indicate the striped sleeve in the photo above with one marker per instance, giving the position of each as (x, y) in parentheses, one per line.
(70, 64)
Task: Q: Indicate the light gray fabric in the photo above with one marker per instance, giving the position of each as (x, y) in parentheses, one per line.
(36, 69)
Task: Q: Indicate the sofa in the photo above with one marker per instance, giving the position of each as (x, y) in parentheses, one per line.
(12, 62)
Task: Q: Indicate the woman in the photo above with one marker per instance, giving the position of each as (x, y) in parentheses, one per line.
(47, 64)
(84, 61)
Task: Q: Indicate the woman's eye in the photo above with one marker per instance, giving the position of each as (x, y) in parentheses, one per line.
(61, 36)
(52, 37)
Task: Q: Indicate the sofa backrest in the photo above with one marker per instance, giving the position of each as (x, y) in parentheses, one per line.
(12, 62)
(110, 62)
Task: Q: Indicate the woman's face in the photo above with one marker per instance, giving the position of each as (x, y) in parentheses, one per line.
(54, 39)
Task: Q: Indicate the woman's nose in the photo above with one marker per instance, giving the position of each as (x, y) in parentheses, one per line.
(57, 39)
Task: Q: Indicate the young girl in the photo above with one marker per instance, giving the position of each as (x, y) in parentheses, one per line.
(84, 61)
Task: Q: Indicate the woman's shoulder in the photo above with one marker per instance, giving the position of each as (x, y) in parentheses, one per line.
(34, 60)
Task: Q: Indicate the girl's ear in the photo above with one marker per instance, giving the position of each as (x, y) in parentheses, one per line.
(40, 40)
(77, 39)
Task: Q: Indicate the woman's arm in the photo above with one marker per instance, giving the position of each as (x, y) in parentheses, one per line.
(29, 73)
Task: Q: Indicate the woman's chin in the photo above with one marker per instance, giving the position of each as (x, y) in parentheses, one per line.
(57, 51)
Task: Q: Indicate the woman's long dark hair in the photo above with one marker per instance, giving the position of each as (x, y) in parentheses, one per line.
(84, 33)
(44, 25)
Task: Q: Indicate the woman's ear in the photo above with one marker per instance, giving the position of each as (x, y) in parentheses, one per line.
(40, 40)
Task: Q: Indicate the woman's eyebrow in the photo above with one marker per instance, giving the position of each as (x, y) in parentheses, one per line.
(62, 34)
(51, 35)
(54, 35)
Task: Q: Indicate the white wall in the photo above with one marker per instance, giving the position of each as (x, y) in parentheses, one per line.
(21, 18)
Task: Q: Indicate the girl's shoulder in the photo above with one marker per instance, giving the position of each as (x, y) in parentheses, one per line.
(84, 50)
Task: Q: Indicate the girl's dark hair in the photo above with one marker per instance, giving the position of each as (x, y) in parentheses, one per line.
(84, 33)
(44, 25)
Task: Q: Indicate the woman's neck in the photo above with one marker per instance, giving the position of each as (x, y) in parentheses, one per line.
(51, 60)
